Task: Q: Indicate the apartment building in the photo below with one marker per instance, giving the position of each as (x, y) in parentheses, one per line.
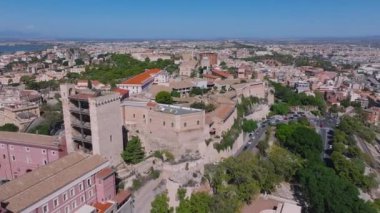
(160, 126)
(21, 153)
(208, 59)
(64, 185)
(142, 81)
(93, 122)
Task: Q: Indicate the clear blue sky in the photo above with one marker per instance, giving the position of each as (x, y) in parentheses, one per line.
(191, 18)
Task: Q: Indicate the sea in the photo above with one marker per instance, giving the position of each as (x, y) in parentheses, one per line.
(12, 48)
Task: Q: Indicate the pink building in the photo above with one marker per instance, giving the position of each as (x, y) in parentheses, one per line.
(21, 153)
(64, 185)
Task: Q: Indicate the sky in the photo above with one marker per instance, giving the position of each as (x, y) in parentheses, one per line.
(194, 19)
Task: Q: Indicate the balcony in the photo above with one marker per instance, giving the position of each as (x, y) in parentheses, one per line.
(81, 124)
(84, 138)
(79, 110)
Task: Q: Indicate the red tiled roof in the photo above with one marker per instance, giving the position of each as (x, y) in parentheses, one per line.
(142, 77)
(221, 73)
(224, 111)
(104, 173)
(210, 76)
(151, 104)
(95, 82)
(81, 96)
(102, 207)
(121, 91)
(122, 196)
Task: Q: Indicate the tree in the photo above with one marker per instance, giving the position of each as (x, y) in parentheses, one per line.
(198, 202)
(286, 164)
(79, 61)
(89, 84)
(201, 105)
(8, 127)
(175, 94)
(280, 108)
(164, 97)
(134, 152)
(320, 187)
(249, 125)
(160, 204)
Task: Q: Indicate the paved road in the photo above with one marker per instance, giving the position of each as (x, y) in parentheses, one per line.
(146, 194)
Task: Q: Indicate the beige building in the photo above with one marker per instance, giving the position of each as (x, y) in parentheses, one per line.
(180, 130)
(93, 122)
(20, 115)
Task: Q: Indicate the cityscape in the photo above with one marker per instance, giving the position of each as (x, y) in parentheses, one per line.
(190, 108)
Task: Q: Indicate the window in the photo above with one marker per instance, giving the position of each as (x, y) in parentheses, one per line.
(27, 149)
(163, 123)
(197, 122)
(53, 152)
(81, 187)
(45, 208)
(89, 182)
(150, 120)
(143, 116)
(82, 199)
(67, 209)
(172, 124)
(11, 147)
(65, 197)
(55, 202)
(44, 151)
(185, 124)
(2, 146)
(90, 193)
(134, 115)
(4, 156)
(13, 157)
(74, 204)
(45, 162)
(110, 138)
(72, 192)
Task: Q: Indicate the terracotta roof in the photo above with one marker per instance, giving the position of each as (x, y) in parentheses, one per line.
(82, 96)
(121, 91)
(224, 111)
(151, 104)
(95, 82)
(221, 73)
(122, 196)
(210, 76)
(34, 186)
(142, 77)
(102, 207)
(28, 139)
(105, 173)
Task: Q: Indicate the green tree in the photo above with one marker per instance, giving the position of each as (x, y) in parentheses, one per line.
(8, 127)
(280, 108)
(249, 125)
(164, 97)
(134, 152)
(160, 204)
(198, 202)
(320, 186)
(175, 94)
(286, 164)
(79, 61)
